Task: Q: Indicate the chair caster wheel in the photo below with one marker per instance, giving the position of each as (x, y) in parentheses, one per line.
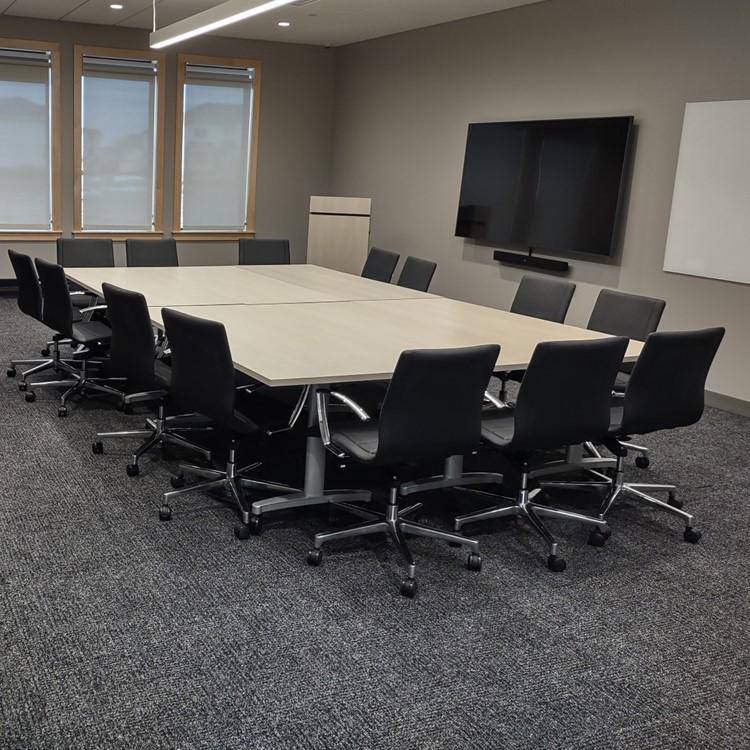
(642, 462)
(474, 562)
(31, 397)
(45, 352)
(23, 386)
(242, 531)
(691, 535)
(132, 470)
(598, 538)
(673, 501)
(408, 588)
(315, 557)
(165, 513)
(556, 564)
(11, 372)
(97, 448)
(61, 412)
(256, 525)
(177, 481)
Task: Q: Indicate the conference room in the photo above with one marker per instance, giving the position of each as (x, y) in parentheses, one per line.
(376, 375)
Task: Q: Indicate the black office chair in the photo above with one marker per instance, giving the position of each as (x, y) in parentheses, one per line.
(203, 381)
(88, 336)
(542, 421)
(380, 265)
(147, 253)
(132, 355)
(260, 252)
(538, 297)
(665, 391)
(412, 428)
(546, 299)
(417, 274)
(631, 315)
(30, 303)
(85, 253)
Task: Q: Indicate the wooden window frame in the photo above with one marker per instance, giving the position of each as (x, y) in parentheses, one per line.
(228, 62)
(79, 52)
(56, 177)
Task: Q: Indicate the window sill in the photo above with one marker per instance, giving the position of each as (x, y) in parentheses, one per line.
(30, 236)
(115, 235)
(211, 236)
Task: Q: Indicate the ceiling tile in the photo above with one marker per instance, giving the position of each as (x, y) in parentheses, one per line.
(53, 9)
(98, 11)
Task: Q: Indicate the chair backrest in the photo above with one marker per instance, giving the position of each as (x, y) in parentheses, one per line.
(433, 405)
(380, 265)
(85, 253)
(666, 388)
(132, 349)
(546, 299)
(151, 252)
(202, 368)
(564, 398)
(621, 314)
(29, 292)
(417, 274)
(259, 252)
(57, 311)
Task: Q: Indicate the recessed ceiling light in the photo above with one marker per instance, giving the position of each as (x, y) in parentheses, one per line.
(284, 24)
(116, 6)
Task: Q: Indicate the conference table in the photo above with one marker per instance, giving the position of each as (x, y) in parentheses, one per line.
(304, 325)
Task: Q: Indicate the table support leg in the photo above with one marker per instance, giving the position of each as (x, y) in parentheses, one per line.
(314, 492)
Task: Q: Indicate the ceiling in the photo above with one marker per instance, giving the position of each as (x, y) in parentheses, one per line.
(323, 22)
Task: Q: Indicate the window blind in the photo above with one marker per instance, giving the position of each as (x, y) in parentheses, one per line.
(118, 144)
(216, 147)
(25, 140)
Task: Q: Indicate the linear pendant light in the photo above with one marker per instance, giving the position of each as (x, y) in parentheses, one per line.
(209, 20)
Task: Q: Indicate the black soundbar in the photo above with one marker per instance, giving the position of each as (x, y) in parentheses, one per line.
(530, 261)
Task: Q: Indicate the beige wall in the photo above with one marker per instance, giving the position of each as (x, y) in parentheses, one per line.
(294, 139)
(403, 104)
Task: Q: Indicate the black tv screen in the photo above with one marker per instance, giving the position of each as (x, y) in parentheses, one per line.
(552, 185)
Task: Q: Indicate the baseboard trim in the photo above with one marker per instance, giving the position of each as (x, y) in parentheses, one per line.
(728, 403)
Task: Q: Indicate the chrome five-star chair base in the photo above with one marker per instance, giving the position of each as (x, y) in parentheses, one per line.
(524, 506)
(232, 480)
(394, 522)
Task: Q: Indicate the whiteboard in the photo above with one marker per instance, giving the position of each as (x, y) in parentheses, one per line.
(709, 228)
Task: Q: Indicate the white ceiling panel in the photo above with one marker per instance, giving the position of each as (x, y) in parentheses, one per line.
(99, 12)
(52, 9)
(321, 22)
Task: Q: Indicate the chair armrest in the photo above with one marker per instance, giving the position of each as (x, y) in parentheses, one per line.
(295, 415)
(321, 404)
(351, 404)
(495, 401)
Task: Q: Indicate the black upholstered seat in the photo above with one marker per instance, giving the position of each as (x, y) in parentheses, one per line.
(59, 315)
(416, 423)
(417, 274)
(666, 391)
(543, 421)
(203, 381)
(85, 252)
(380, 265)
(255, 251)
(154, 253)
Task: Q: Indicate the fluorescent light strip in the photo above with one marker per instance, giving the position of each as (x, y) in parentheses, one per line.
(209, 20)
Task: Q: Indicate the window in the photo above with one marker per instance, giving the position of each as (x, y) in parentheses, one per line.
(119, 106)
(216, 142)
(29, 137)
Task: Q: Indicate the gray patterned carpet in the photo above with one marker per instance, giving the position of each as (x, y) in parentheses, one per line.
(117, 631)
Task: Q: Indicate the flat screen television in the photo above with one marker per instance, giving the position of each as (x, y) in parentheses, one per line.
(551, 185)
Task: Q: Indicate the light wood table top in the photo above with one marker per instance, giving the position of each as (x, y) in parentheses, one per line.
(336, 284)
(358, 341)
(198, 285)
